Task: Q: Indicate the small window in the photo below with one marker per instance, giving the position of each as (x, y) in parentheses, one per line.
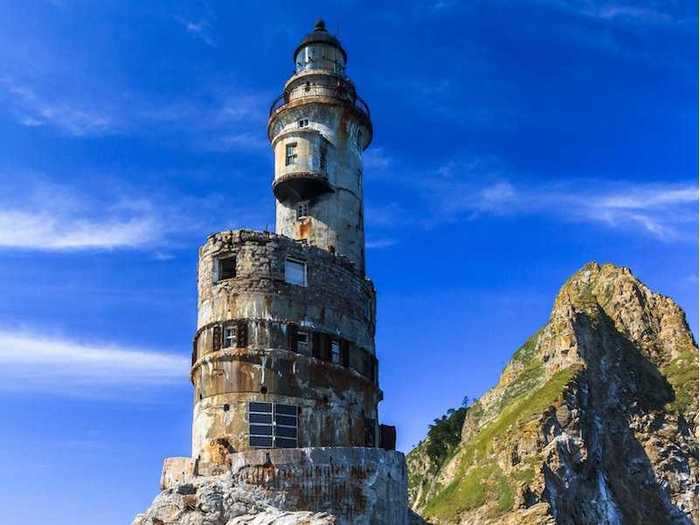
(291, 153)
(303, 122)
(335, 351)
(227, 268)
(295, 272)
(230, 336)
(302, 210)
(323, 159)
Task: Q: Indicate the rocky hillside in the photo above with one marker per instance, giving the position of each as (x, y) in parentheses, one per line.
(593, 421)
(217, 500)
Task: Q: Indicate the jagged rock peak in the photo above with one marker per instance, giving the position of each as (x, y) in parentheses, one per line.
(592, 421)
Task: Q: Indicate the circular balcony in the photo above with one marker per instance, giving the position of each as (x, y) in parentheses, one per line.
(300, 186)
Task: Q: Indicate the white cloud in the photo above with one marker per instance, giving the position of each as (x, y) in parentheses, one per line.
(37, 214)
(665, 211)
(201, 30)
(29, 360)
(375, 244)
(75, 118)
(375, 158)
(49, 231)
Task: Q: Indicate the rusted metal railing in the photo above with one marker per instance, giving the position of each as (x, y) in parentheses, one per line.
(356, 101)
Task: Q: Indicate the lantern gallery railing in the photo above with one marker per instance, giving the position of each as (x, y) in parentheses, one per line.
(356, 101)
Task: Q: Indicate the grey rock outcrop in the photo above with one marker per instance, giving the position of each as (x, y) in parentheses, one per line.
(314, 486)
(217, 500)
(594, 420)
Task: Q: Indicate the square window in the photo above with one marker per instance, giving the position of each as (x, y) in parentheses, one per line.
(303, 123)
(291, 153)
(227, 268)
(302, 210)
(295, 272)
(230, 336)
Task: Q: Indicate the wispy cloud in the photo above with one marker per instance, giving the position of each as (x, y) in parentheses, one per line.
(200, 29)
(51, 217)
(619, 12)
(665, 211)
(33, 109)
(216, 118)
(49, 230)
(37, 214)
(375, 244)
(30, 360)
(376, 159)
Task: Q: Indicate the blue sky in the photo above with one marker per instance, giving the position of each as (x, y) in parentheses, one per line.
(514, 142)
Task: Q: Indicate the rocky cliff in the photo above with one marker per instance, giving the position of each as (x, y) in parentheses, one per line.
(593, 421)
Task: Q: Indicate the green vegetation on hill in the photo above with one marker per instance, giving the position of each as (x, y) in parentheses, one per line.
(444, 435)
(479, 478)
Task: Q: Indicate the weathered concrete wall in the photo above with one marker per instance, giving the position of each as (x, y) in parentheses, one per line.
(326, 101)
(356, 485)
(176, 471)
(345, 486)
(336, 401)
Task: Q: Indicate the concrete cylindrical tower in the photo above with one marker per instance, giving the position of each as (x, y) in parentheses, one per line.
(318, 129)
(284, 352)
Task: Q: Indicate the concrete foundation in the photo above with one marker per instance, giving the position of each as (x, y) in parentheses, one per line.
(356, 485)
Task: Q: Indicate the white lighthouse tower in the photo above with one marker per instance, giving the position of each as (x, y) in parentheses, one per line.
(318, 129)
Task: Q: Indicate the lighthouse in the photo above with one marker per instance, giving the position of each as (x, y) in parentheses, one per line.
(284, 351)
(318, 129)
(284, 367)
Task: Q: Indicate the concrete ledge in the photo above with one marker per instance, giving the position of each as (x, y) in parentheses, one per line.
(357, 485)
(176, 471)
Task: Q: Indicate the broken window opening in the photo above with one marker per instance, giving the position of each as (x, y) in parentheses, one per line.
(295, 272)
(226, 268)
(291, 153)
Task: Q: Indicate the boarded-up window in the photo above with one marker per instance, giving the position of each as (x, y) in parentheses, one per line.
(242, 335)
(216, 338)
(295, 272)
